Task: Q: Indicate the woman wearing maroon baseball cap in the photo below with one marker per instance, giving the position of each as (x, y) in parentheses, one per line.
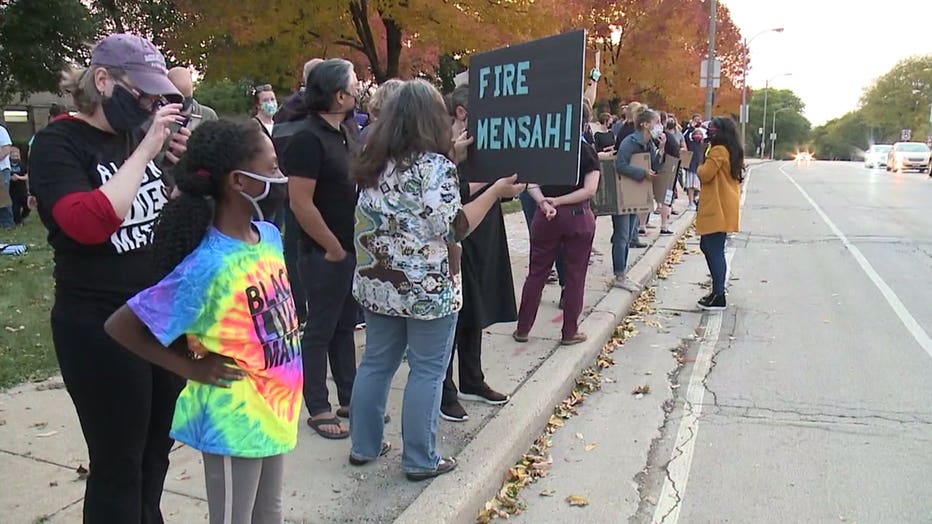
(99, 193)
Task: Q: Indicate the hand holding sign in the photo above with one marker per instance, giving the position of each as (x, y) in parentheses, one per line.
(508, 187)
(461, 146)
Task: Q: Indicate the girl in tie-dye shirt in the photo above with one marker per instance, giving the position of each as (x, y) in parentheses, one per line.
(225, 300)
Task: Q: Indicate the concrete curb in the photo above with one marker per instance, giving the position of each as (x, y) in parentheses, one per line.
(458, 497)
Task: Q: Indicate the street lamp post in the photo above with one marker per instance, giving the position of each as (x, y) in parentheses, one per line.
(773, 132)
(763, 127)
(745, 111)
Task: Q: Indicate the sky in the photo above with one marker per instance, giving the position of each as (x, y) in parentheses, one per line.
(833, 48)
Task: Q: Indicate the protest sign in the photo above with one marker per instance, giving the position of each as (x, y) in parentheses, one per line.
(525, 111)
(665, 178)
(620, 195)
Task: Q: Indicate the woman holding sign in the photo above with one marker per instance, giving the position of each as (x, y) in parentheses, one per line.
(647, 129)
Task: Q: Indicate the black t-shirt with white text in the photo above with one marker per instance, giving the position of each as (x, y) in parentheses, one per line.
(71, 156)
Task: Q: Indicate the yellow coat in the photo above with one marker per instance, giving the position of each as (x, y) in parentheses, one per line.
(720, 197)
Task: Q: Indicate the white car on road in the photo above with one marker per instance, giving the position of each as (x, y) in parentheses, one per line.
(908, 155)
(876, 156)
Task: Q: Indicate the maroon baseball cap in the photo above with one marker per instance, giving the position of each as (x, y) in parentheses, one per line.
(142, 61)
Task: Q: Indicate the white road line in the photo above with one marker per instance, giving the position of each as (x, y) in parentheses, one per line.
(909, 322)
(673, 491)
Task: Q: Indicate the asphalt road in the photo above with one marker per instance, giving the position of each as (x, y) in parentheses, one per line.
(808, 400)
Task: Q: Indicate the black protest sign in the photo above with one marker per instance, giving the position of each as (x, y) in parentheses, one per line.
(525, 111)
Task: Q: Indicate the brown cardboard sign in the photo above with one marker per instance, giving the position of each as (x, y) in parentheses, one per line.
(620, 195)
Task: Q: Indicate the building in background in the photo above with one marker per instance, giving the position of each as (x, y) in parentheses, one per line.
(24, 117)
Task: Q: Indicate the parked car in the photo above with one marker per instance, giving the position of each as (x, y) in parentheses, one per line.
(876, 156)
(908, 155)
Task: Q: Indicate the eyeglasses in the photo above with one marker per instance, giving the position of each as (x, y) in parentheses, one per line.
(147, 102)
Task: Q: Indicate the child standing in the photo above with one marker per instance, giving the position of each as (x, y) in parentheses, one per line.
(226, 290)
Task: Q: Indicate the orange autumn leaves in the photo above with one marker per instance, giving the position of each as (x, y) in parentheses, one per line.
(656, 60)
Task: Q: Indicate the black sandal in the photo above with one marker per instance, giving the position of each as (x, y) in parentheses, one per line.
(333, 421)
(386, 447)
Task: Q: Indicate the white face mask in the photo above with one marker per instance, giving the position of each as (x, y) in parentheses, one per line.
(656, 131)
(271, 198)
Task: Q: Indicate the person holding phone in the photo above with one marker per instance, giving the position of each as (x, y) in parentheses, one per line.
(647, 130)
(100, 192)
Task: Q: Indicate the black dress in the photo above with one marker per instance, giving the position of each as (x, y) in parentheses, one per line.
(488, 286)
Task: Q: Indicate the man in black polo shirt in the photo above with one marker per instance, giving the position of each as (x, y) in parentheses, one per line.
(323, 199)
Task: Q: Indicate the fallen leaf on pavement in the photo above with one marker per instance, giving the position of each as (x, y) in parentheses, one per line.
(556, 421)
(82, 473)
(579, 436)
(47, 434)
(641, 390)
(591, 447)
(548, 493)
(53, 484)
(577, 500)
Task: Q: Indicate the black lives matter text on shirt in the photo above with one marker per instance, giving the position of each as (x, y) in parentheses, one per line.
(321, 152)
(274, 319)
(525, 110)
(136, 230)
(71, 156)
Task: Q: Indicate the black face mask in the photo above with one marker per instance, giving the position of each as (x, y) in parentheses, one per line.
(122, 110)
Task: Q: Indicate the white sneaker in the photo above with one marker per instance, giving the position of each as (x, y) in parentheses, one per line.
(692, 207)
(627, 284)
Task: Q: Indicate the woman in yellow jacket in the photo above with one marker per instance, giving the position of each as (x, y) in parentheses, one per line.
(719, 203)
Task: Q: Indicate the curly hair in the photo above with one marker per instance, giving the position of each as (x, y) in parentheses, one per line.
(215, 149)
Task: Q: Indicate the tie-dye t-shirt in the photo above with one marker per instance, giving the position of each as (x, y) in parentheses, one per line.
(233, 298)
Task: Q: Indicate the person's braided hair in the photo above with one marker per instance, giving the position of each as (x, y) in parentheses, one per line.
(215, 149)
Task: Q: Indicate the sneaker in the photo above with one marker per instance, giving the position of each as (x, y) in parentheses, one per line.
(553, 278)
(627, 284)
(454, 413)
(487, 395)
(637, 244)
(692, 207)
(446, 465)
(666, 232)
(361, 326)
(712, 302)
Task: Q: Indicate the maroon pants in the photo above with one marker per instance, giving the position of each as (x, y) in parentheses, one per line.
(572, 230)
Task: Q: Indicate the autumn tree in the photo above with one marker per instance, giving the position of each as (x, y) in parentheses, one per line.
(652, 49)
(269, 39)
(37, 41)
(157, 20)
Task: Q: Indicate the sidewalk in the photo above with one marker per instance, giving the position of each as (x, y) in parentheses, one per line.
(41, 445)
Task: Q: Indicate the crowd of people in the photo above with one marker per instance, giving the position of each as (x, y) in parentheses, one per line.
(208, 270)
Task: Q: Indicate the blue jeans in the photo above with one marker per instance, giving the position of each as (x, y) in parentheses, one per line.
(713, 247)
(429, 344)
(6, 212)
(530, 209)
(624, 231)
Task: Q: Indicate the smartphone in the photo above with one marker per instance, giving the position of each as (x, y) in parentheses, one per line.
(192, 121)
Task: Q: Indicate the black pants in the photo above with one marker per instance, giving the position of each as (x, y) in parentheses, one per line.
(331, 320)
(19, 194)
(468, 348)
(290, 244)
(713, 247)
(125, 406)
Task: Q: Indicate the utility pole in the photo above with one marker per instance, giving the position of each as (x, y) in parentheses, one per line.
(710, 67)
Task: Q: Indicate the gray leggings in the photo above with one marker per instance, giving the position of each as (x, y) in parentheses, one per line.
(244, 490)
